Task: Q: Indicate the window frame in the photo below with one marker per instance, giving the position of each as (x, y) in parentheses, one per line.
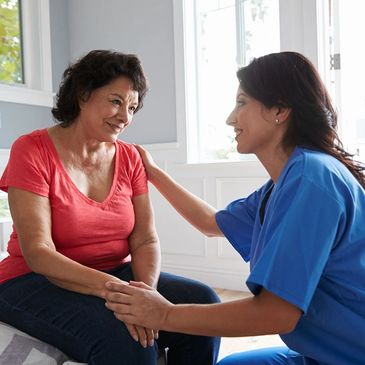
(37, 60)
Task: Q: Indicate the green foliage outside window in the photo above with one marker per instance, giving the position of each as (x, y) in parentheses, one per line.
(4, 207)
(10, 42)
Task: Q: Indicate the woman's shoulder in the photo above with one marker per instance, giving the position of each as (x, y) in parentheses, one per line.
(33, 144)
(314, 164)
(127, 149)
(321, 171)
(129, 157)
(30, 140)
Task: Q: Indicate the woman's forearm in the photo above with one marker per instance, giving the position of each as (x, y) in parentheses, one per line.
(146, 263)
(67, 273)
(195, 210)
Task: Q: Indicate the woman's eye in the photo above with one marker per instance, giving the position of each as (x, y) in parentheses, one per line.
(116, 102)
(239, 103)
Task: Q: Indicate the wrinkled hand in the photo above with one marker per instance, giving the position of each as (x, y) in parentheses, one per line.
(142, 335)
(138, 304)
(148, 162)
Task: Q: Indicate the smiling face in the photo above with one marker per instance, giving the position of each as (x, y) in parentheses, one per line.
(109, 110)
(257, 128)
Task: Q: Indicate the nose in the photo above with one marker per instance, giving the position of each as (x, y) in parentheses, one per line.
(231, 118)
(124, 116)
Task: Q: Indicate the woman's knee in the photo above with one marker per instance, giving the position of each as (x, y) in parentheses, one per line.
(207, 295)
(112, 343)
(178, 289)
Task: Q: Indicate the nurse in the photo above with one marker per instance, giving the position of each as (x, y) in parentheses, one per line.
(303, 231)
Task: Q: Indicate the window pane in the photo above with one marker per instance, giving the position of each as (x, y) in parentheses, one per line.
(343, 69)
(259, 29)
(11, 70)
(4, 207)
(352, 99)
(228, 35)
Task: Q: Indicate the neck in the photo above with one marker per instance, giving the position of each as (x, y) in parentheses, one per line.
(80, 150)
(79, 143)
(275, 161)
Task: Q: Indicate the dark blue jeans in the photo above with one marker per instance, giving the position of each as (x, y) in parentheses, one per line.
(84, 329)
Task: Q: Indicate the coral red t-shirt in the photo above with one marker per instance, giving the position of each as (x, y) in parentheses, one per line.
(92, 233)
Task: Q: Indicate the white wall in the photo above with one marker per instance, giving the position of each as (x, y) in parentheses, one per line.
(185, 251)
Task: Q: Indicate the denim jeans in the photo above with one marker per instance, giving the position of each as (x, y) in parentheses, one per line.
(84, 329)
(267, 356)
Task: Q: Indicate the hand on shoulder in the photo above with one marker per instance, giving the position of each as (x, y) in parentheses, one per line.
(148, 162)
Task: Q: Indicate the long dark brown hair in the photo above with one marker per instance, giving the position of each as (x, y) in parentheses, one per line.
(288, 79)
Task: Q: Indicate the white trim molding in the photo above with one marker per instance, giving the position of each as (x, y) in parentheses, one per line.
(23, 95)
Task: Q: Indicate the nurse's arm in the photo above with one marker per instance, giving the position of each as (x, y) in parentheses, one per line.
(263, 314)
(196, 211)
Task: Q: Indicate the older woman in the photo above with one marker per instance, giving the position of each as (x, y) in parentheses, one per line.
(82, 217)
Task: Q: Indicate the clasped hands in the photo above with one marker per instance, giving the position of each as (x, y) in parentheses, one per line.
(140, 307)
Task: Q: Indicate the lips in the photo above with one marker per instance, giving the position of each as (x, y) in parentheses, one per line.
(237, 131)
(116, 128)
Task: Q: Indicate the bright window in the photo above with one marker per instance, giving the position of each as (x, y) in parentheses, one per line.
(343, 57)
(225, 35)
(25, 52)
(11, 63)
(221, 35)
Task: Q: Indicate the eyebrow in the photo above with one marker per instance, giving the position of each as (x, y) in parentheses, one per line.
(242, 94)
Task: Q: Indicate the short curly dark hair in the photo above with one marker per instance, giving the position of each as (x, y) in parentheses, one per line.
(96, 69)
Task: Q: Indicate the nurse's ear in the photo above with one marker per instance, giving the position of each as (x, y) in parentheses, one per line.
(282, 114)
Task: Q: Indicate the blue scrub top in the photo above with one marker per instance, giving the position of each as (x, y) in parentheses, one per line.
(310, 251)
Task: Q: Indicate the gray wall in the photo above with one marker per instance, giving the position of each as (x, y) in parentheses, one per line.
(144, 27)
(18, 119)
(60, 39)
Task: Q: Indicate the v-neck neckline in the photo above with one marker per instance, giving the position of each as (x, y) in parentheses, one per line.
(64, 172)
(264, 203)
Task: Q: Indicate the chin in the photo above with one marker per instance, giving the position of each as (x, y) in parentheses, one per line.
(114, 136)
(242, 150)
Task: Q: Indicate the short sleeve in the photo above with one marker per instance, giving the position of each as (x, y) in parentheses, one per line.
(237, 222)
(139, 177)
(304, 224)
(26, 168)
